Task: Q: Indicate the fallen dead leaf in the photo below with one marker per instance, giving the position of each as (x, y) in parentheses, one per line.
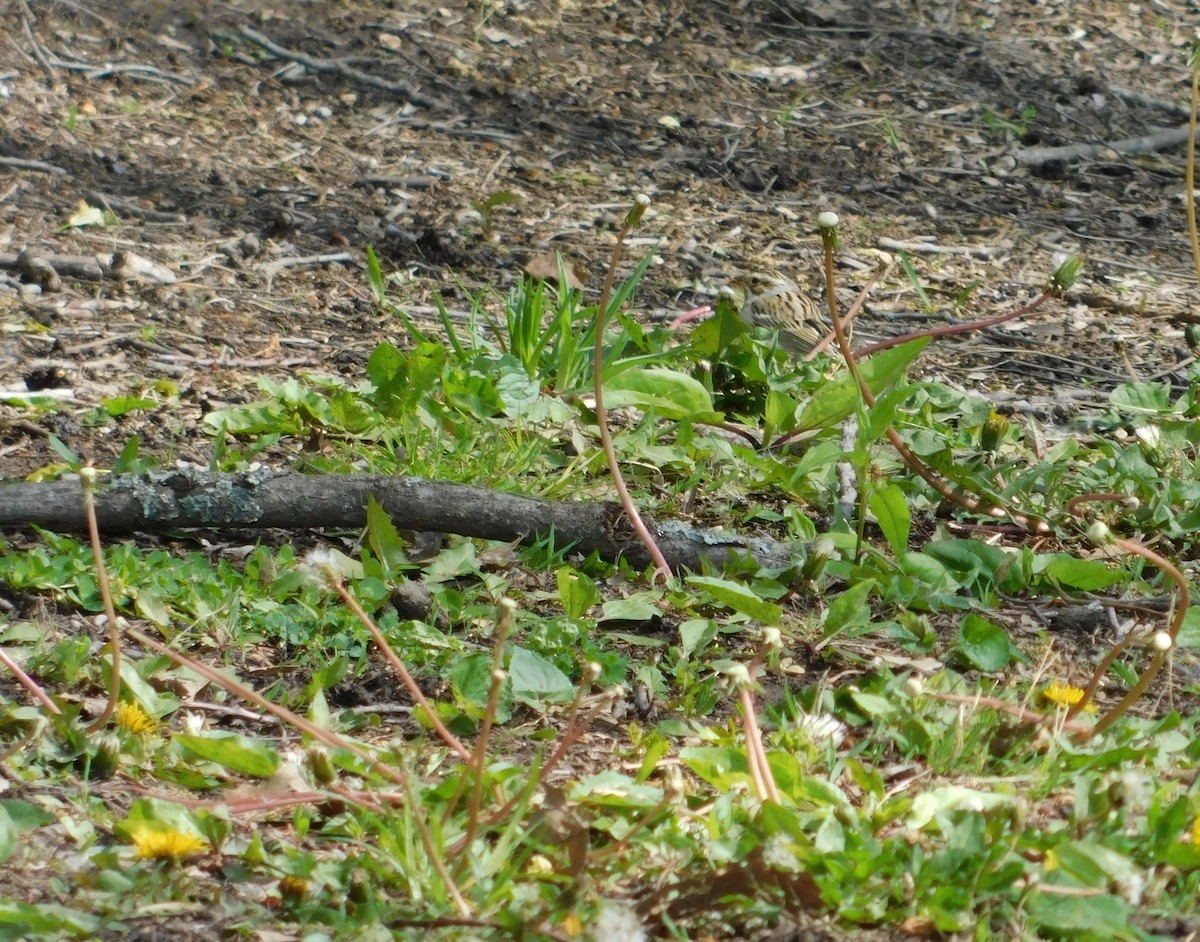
(544, 267)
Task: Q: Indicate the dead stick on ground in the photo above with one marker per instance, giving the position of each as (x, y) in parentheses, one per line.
(167, 500)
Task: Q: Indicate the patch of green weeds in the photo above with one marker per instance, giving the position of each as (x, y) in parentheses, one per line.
(888, 684)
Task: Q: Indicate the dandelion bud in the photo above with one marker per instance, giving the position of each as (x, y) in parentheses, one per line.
(1067, 273)
(993, 431)
(820, 552)
(320, 765)
(106, 758)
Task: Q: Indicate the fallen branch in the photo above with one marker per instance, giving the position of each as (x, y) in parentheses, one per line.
(1146, 144)
(334, 67)
(19, 163)
(167, 500)
(977, 251)
(48, 270)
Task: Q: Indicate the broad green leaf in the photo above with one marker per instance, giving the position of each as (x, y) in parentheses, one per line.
(471, 684)
(881, 415)
(536, 681)
(1189, 632)
(1081, 917)
(149, 604)
(720, 766)
(891, 512)
(123, 405)
(953, 798)
(1152, 398)
(1086, 574)
(1093, 864)
(233, 751)
(577, 593)
(671, 394)
(972, 559)
(46, 921)
(984, 643)
(637, 607)
(318, 710)
(695, 633)
(740, 598)
(157, 814)
(25, 816)
(616, 790)
(780, 411)
(849, 610)
(839, 397)
(135, 686)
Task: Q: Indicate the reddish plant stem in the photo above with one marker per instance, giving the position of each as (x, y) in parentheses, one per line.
(661, 566)
(402, 672)
(88, 480)
(952, 329)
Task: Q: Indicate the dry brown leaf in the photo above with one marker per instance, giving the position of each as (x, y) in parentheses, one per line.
(544, 267)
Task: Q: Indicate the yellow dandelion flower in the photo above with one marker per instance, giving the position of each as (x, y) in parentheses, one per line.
(132, 718)
(1064, 695)
(169, 844)
(1196, 833)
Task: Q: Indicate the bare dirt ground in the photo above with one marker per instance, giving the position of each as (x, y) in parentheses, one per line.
(390, 125)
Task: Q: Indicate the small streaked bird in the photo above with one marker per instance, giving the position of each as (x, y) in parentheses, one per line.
(794, 310)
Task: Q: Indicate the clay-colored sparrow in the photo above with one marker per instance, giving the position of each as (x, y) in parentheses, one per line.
(792, 309)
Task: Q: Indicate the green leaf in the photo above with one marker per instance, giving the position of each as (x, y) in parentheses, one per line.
(46, 921)
(1093, 864)
(157, 814)
(882, 414)
(694, 634)
(577, 593)
(1086, 574)
(471, 684)
(375, 276)
(1146, 398)
(953, 798)
(637, 607)
(780, 411)
(839, 398)
(123, 405)
(536, 681)
(150, 606)
(10, 835)
(386, 542)
(984, 643)
(738, 597)
(891, 512)
(971, 559)
(1090, 917)
(721, 767)
(849, 610)
(671, 394)
(233, 751)
(1189, 632)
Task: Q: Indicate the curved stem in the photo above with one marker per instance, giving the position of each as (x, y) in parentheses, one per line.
(1182, 603)
(952, 329)
(661, 566)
